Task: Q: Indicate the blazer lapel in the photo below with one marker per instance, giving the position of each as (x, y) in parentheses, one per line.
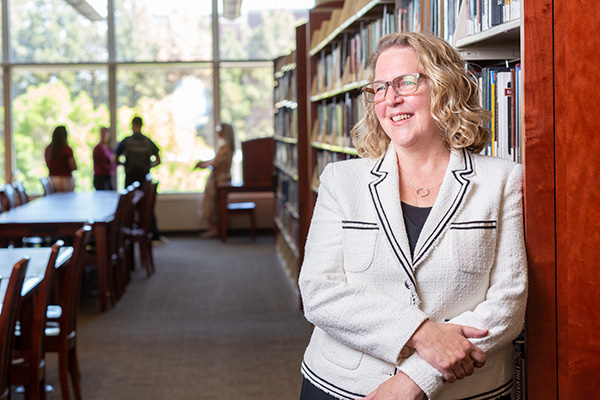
(453, 192)
(385, 195)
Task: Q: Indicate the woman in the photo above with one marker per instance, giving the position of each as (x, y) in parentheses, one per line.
(104, 166)
(415, 267)
(60, 161)
(220, 167)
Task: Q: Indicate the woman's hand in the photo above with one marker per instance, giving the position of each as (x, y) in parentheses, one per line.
(200, 164)
(398, 387)
(446, 348)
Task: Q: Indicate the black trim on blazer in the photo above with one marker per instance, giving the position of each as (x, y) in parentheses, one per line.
(359, 225)
(385, 223)
(492, 224)
(328, 386)
(460, 176)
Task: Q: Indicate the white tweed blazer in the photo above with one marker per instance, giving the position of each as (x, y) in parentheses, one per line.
(366, 295)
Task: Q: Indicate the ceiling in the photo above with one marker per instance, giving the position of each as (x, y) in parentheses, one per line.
(85, 9)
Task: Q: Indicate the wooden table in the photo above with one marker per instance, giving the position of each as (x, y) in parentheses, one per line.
(61, 214)
(223, 190)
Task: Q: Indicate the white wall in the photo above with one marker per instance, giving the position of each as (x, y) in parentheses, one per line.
(179, 211)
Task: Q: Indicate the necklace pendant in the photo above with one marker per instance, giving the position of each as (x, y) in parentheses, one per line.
(423, 192)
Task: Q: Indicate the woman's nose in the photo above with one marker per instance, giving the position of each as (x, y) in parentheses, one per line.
(391, 97)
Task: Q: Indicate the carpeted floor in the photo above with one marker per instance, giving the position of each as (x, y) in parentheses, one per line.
(216, 322)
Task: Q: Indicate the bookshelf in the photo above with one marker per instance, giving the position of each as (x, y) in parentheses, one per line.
(557, 146)
(291, 154)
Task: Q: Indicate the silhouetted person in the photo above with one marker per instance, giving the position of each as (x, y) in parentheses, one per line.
(60, 161)
(104, 165)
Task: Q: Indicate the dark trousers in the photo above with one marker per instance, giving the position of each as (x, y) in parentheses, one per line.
(103, 182)
(311, 392)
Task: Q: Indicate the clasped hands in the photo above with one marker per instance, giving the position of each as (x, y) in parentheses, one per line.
(443, 346)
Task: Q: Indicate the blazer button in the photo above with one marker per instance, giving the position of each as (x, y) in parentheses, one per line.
(407, 284)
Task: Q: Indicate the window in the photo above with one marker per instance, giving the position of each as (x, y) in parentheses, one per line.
(43, 98)
(67, 67)
(176, 105)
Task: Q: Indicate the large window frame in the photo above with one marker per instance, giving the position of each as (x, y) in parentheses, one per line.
(112, 67)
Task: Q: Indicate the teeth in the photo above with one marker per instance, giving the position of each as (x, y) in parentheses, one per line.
(397, 118)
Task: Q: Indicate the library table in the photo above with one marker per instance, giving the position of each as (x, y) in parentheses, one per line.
(61, 214)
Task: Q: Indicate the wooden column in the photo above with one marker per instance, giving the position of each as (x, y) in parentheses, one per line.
(539, 191)
(577, 102)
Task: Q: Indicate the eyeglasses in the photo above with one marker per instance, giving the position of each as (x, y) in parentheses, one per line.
(403, 85)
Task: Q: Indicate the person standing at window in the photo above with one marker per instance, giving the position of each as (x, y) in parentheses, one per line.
(140, 152)
(104, 166)
(220, 167)
(60, 161)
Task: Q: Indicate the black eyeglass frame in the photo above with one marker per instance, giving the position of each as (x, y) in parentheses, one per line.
(389, 84)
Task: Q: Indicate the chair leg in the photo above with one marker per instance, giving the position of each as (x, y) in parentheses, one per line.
(252, 225)
(75, 373)
(63, 374)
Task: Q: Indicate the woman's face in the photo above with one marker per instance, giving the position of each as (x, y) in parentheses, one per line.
(406, 119)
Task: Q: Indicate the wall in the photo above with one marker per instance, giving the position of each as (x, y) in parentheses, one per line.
(178, 212)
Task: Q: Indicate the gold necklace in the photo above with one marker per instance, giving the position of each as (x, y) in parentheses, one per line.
(421, 191)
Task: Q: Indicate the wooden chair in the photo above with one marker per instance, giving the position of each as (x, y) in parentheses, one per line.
(142, 231)
(8, 197)
(245, 208)
(61, 327)
(8, 317)
(21, 193)
(29, 363)
(46, 185)
(257, 170)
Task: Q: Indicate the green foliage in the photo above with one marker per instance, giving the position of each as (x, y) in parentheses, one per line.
(47, 32)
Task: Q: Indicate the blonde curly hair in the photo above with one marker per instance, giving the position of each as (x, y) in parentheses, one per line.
(454, 96)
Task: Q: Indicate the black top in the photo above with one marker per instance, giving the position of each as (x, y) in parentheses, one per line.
(414, 219)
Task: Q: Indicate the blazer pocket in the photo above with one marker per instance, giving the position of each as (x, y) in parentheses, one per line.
(340, 354)
(359, 241)
(474, 245)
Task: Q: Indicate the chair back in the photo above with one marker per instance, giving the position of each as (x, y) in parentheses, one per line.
(28, 367)
(9, 197)
(71, 290)
(21, 193)
(257, 160)
(8, 317)
(146, 208)
(46, 185)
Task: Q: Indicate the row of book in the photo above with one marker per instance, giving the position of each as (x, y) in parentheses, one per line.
(485, 14)
(286, 121)
(285, 86)
(346, 60)
(436, 16)
(340, 17)
(287, 192)
(336, 119)
(286, 158)
(501, 94)
(287, 207)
